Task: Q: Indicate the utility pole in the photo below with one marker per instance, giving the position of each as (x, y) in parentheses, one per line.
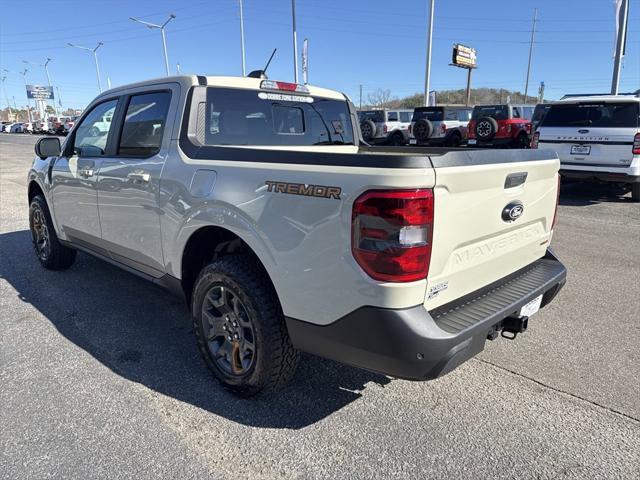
(151, 26)
(427, 76)
(360, 97)
(244, 73)
(295, 42)
(95, 58)
(533, 33)
(623, 15)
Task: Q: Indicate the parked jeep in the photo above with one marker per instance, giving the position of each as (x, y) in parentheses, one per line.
(440, 125)
(385, 126)
(257, 202)
(500, 126)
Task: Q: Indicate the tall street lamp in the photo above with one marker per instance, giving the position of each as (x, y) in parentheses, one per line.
(24, 75)
(151, 26)
(95, 58)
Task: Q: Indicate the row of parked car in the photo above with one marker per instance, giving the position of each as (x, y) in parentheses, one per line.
(453, 125)
(596, 137)
(51, 126)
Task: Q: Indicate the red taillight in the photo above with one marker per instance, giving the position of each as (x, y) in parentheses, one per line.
(535, 139)
(443, 128)
(636, 144)
(384, 128)
(555, 214)
(283, 86)
(392, 232)
(410, 129)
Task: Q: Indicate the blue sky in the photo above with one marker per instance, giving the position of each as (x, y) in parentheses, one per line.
(376, 43)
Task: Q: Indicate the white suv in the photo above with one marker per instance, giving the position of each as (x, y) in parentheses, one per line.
(443, 125)
(596, 137)
(385, 126)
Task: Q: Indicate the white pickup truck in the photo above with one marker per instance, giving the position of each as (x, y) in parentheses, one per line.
(255, 201)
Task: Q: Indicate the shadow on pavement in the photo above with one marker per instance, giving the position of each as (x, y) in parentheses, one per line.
(144, 334)
(578, 194)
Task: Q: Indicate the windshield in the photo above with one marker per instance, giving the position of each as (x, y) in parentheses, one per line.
(499, 112)
(376, 116)
(250, 117)
(592, 115)
(434, 114)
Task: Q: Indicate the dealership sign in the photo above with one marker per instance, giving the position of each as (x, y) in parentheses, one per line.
(40, 92)
(464, 56)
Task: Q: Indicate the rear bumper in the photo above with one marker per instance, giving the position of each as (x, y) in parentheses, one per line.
(494, 142)
(416, 344)
(601, 176)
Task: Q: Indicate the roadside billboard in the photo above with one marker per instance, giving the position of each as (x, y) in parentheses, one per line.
(40, 92)
(464, 56)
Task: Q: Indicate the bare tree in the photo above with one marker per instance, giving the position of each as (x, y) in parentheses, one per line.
(379, 98)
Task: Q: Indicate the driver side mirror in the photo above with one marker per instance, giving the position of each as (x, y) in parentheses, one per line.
(48, 147)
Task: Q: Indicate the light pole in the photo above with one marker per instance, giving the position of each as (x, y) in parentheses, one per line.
(622, 12)
(151, 26)
(295, 41)
(95, 58)
(427, 74)
(533, 34)
(4, 77)
(242, 38)
(24, 75)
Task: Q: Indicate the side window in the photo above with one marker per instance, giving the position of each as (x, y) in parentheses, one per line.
(405, 117)
(516, 112)
(144, 124)
(92, 134)
(528, 112)
(392, 116)
(464, 115)
(450, 115)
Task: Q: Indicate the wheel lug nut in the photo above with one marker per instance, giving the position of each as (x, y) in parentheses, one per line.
(235, 335)
(224, 327)
(229, 338)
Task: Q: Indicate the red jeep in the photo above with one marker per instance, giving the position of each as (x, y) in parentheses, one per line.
(500, 125)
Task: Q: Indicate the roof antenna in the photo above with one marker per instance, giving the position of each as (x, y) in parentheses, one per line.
(262, 74)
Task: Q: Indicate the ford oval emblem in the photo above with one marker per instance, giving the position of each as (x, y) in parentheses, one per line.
(512, 211)
(583, 130)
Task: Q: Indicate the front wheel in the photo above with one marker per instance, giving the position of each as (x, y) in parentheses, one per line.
(51, 253)
(240, 327)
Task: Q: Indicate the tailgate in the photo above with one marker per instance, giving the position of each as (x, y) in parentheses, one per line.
(474, 244)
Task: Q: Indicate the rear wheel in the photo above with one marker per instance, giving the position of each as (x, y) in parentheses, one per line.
(397, 139)
(635, 192)
(522, 141)
(240, 327)
(51, 253)
(455, 140)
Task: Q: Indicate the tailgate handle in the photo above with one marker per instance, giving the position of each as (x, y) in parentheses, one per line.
(515, 179)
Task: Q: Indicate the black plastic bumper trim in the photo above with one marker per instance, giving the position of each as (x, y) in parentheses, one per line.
(408, 343)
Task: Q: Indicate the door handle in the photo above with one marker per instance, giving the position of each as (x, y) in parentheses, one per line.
(139, 177)
(86, 172)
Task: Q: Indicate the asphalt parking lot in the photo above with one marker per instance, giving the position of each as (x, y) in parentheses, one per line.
(100, 377)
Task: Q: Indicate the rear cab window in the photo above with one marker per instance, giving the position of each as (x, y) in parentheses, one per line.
(376, 116)
(594, 115)
(433, 114)
(499, 112)
(244, 117)
(405, 117)
(392, 116)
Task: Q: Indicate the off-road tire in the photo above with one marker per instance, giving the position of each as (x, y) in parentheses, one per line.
(422, 129)
(635, 192)
(274, 359)
(54, 256)
(368, 129)
(486, 134)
